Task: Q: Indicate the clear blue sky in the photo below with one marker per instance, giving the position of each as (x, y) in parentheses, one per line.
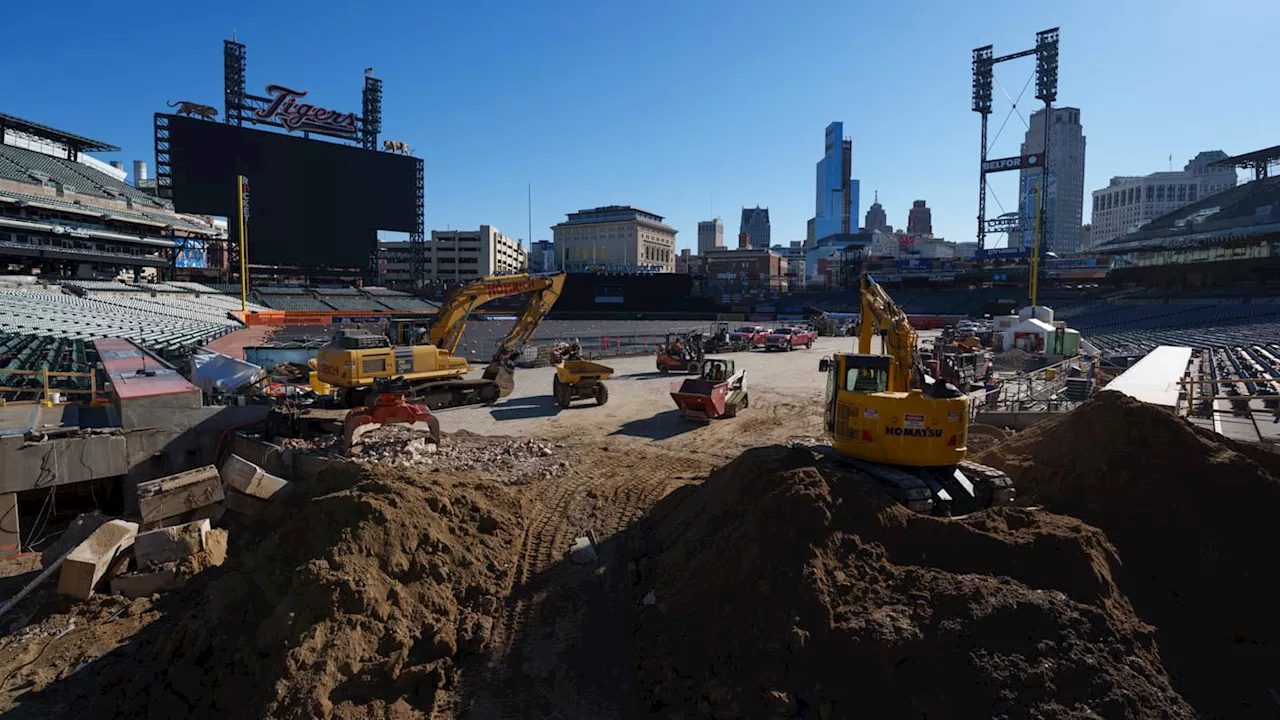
(665, 104)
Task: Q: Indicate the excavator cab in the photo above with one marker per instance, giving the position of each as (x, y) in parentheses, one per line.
(408, 330)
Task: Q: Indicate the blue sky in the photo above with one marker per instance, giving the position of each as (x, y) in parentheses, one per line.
(668, 104)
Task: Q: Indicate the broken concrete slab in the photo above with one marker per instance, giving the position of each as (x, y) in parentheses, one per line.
(79, 529)
(178, 494)
(146, 584)
(250, 479)
(245, 505)
(212, 513)
(91, 559)
(157, 547)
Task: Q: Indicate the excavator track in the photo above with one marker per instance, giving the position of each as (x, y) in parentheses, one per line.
(947, 492)
(441, 394)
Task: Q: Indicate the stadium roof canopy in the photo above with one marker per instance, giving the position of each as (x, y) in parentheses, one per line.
(1258, 160)
(1242, 213)
(80, 143)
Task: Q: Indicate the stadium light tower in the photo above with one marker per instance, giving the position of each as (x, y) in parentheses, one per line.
(984, 62)
(983, 74)
(1046, 90)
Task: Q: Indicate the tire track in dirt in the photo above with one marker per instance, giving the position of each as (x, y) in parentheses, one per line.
(560, 645)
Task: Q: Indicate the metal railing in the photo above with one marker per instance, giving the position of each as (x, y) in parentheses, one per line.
(45, 390)
(1036, 391)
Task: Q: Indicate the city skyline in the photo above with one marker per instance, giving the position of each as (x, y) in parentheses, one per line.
(568, 140)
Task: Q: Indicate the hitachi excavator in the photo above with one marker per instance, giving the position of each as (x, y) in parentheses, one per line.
(424, 357)
(887, 418)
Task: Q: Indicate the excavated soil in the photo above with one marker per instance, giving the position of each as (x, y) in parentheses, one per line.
(1193, 515)
(355, 599)
(787, 586)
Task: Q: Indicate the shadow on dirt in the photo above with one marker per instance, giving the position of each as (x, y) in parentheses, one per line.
(662, 426)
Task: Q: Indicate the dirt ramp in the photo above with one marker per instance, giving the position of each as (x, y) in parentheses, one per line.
(786, 586)
(357, 602)
(1193, 515)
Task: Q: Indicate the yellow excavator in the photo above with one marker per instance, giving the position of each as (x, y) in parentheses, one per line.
(353, 359)
(886, 417)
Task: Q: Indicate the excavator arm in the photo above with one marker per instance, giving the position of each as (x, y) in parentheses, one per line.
(451, 321)
(881, 313)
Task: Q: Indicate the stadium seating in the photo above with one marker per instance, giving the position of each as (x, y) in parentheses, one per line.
(34, 352)
(162, 324)
(299, 302)
(83, 178)
(404, 304)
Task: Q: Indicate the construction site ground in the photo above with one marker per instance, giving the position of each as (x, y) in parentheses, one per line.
(444, 587)
(785, 391)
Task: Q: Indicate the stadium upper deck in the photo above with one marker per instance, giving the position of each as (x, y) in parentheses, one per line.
(59, 213)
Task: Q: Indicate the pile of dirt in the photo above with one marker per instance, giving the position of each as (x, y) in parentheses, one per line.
(356, 598)
(788, 586)
(1193, 516)
(1016, 360)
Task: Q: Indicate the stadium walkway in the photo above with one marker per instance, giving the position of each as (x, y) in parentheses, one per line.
(233, 344)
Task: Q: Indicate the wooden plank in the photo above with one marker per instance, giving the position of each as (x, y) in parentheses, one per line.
(180, 493)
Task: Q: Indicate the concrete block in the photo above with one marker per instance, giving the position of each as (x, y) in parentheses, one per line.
(169, 544)
(250, 479)
(178, 494)
(238, 502)
(145, 584)
(91, 559)
(79, 529)
(212, 513)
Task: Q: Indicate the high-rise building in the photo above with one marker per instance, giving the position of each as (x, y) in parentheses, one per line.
(755, 224)
(459, 256)
(1061, 199)
(836, 196)
(542, 256)
(710, 236)
(619, 238)
(1129, 202)
(876, 218)
(919, 219)
(454, 256)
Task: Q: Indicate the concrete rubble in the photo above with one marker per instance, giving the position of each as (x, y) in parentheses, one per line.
(90, 560)
(515, 460)
(157, 547)
(242, 475)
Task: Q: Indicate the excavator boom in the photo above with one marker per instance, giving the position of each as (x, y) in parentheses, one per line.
(354, 359)
(451, 320)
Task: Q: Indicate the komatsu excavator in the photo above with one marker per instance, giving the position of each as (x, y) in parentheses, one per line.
(353, 359)
(887, 418)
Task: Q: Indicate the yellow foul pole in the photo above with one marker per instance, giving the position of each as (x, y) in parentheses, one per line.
(242, 193)
(1034, 285)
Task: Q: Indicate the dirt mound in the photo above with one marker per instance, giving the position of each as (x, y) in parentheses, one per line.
(356, 599)
(788, 586)
(1193, 516)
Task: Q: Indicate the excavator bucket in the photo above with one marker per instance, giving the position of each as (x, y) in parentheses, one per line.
(499, 373)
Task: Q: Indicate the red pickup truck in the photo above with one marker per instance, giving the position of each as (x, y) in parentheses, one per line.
(752, 336)
(789, 338)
